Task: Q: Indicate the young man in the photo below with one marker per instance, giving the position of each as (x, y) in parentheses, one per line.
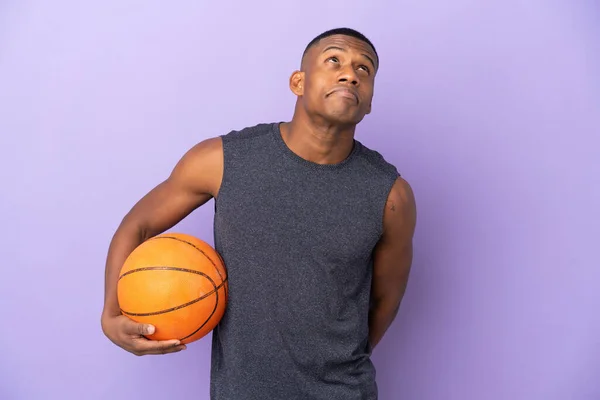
(315, 230)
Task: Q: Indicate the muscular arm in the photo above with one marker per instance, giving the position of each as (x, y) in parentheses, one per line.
(392, 259)
(194, 180)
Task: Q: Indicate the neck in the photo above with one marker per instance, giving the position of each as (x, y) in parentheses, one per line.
(321, 143)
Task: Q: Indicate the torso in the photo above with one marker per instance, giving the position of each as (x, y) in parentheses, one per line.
(297, 240)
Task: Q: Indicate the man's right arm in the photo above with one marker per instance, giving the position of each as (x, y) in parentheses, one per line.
(194, 180)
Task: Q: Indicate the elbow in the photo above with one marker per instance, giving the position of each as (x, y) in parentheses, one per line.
(133, 228)
(386, 304)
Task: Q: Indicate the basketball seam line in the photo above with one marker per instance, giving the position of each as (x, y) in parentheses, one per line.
(162, 267)
(147, 314)
(166, 236)
(194, 246)
(215, 290)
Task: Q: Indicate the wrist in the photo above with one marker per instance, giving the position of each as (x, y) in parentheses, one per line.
(110, 312)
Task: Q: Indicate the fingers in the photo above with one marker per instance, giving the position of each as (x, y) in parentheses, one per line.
(145, 329)
(139, 345)
(136, 328)
(144, 346)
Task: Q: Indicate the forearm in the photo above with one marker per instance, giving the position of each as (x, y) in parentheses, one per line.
(162, 208)
(381, 316)
(124, 241)
(392, 260)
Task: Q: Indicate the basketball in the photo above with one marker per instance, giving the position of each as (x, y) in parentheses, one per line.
(176, 282)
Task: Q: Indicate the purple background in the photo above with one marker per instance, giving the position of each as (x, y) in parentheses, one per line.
(491, 109)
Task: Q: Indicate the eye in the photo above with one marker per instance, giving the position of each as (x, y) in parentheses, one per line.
(365, 68)
(334, 59)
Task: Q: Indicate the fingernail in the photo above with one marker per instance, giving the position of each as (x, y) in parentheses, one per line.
(150, 329)
(184, 347)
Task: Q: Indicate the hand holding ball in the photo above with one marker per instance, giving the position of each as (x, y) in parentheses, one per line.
(177, 283)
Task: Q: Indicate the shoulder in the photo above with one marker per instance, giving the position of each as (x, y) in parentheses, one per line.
(401, 196)
(246, 143)
(203, 164)
(250, 132)
(206, 152)
(201, 167)
(209, 152)
(400, 214)
(377, 162)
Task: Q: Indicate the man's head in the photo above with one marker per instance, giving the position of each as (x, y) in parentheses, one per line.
(337, 75)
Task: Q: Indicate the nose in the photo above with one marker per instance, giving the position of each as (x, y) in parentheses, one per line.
(348, 75)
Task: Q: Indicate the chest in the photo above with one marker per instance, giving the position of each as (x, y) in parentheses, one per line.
(327, 218)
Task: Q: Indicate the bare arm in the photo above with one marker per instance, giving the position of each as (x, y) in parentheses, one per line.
(194, 180)
(392, 259)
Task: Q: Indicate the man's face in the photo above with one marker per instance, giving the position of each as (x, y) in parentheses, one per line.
(337, 80)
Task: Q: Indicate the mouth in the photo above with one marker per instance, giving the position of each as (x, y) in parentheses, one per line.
(344, 92)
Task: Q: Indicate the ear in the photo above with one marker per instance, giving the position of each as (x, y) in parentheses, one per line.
(297, 83)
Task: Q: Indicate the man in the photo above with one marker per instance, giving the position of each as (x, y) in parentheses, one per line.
(315, 230)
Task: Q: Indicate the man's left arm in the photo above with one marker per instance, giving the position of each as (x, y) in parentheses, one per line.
(392, 259)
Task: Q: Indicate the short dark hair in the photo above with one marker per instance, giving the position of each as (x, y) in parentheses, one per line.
(341, 31)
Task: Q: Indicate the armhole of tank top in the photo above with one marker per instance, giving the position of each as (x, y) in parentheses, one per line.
(223, 184)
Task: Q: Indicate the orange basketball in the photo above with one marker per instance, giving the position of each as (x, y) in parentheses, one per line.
(177, 283)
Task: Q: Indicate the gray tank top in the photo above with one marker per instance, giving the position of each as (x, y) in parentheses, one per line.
(297, 240)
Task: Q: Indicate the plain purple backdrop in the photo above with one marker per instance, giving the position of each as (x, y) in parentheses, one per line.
(491, 109)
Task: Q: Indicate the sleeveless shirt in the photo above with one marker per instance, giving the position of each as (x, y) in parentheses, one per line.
(297, 239)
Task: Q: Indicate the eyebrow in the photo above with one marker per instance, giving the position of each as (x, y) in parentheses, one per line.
(341, 49)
